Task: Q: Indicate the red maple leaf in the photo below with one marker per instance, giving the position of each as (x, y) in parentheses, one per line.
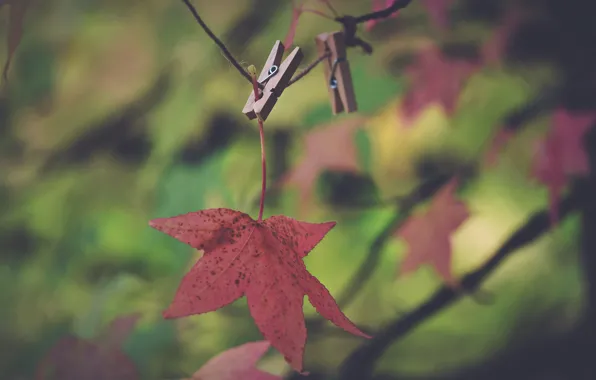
(438, 10)
(329, 147)
(428, 236)
(435, 78)
(378, 5)
(562, 154)
(73, 358)
(236, 363)
(261, 260)
(16, 17)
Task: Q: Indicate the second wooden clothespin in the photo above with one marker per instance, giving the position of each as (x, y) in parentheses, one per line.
(275, 77)
(337, 72)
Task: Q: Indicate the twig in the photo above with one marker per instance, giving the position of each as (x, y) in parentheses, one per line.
(383, 13)
(359, 365)
(217, 41)
(308, 68)
(350, 24)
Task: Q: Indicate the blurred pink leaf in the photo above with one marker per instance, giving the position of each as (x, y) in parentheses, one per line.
(378, 5)
(495, 48)
(329, 147)
(497, 144)
(236, 363)
(562, 154)
(435, 78)
(73, 358)
(438, 11)
(119, 330)
(428, 236)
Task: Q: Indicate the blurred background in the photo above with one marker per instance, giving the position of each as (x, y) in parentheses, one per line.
(117, 112)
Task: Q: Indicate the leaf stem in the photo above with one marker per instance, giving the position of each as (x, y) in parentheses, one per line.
(255, 87)
(263, 170)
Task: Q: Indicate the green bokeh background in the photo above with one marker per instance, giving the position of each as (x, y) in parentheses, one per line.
(119, 112)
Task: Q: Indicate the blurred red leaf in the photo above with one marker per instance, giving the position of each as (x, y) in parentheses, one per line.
(438, 11)
(16, 17)
(428, 236)
(259, 259)
(73, 358)
(494, 49)
(236, 363)
(435, 78)
(119, 330)
(329, 147)
(561, 154)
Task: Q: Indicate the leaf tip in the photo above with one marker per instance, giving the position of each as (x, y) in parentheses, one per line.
(157, 223)
(168, 314)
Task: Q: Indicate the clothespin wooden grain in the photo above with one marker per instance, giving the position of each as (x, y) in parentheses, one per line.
(275, 77)
(337, 72)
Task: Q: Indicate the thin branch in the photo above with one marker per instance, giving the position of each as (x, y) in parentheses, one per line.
(308, 68)
(383, 13)
(217, 41)
(350, 24)
(359, 365)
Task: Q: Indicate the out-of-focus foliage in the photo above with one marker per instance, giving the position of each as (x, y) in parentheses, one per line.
(118, 112)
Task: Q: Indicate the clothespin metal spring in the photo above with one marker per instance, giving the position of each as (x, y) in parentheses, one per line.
(332, 80)
(274, 69)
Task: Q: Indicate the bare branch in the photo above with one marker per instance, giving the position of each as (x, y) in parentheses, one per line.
(359, 365)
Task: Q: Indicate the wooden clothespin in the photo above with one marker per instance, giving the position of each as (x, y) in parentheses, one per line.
(275, 76)
(337, 72)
